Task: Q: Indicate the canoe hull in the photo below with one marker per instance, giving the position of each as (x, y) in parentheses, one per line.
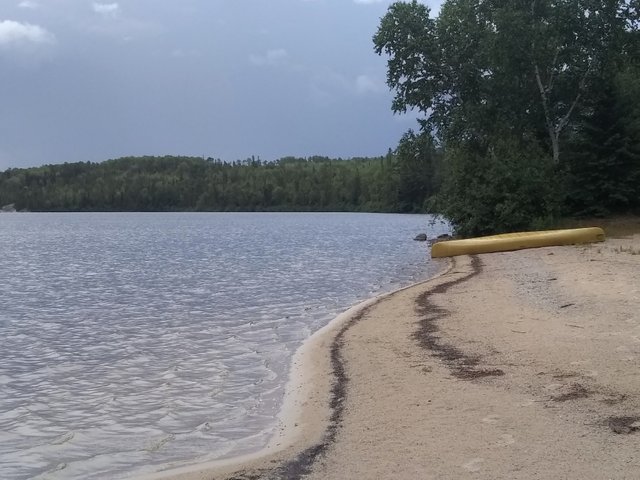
(517, 241)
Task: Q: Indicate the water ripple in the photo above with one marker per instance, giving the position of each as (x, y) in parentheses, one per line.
(128, 341)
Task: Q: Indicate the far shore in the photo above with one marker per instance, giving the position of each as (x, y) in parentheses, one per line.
(511, 365)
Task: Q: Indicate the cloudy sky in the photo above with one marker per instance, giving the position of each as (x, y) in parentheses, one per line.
(91, 80)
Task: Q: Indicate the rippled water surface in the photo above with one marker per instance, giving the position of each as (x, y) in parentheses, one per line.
(131, 341)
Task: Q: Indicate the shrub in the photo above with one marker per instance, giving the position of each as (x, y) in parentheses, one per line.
(499, 186)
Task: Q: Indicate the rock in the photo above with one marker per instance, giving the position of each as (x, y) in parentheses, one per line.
(440, 238)
(421, 237)
(11, 208)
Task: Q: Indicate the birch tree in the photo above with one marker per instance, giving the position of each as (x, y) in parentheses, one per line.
(482, 67)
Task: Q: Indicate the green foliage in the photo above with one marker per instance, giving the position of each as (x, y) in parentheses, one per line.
(501, 186)
(406, 34)
(187, 183)
(604, 162)
(417, 167)
(484, 66)
(507, 86)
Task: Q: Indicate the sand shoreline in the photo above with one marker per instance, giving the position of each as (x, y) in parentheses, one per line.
(311, 392)
(513, 365)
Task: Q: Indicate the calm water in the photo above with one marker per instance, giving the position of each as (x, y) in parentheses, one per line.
(130, 341)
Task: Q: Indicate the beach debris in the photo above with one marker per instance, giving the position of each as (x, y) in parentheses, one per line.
(624, 425)
(573, 391)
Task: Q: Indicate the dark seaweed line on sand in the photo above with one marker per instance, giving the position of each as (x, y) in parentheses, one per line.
(462, 365)
(465, 367)
(301, 465)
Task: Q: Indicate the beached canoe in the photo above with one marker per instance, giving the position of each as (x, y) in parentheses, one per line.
(516, 241)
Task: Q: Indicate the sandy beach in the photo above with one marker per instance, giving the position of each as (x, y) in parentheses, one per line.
(519, 365)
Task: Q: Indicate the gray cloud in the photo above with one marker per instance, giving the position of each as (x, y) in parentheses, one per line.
(368, 84)
(14, 33)
(106, 9)
(28, 4)
(271, 57)
(220, 78)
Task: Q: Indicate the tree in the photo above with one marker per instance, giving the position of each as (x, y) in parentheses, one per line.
(498, 186)
(417, 170)
(571, 47)
(187, 183)
(485, 66)
(604, 160)
(408, 36)
(503, 87)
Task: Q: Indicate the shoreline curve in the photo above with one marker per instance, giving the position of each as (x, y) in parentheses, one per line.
(311, 409)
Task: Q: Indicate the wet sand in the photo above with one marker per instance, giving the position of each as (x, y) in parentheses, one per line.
(516, 365)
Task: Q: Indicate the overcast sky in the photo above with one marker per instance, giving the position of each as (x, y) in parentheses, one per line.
(88, 80)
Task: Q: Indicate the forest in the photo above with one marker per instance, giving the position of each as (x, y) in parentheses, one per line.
(535, 105)
(528, 112)
(150, 184)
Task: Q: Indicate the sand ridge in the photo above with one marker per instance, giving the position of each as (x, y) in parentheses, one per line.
(515, 365)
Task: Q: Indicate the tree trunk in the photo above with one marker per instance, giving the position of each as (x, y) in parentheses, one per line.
(555, 145)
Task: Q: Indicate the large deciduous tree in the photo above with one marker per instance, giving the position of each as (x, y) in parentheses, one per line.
(505, 87)
(486, 66)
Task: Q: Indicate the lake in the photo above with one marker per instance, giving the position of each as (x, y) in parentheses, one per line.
(129, 341)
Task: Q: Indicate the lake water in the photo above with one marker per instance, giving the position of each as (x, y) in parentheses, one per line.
(133, 341)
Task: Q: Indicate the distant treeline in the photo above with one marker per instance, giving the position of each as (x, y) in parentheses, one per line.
(527, 112)
(381, 184)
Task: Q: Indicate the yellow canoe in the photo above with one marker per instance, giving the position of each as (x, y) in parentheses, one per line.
(516, 241)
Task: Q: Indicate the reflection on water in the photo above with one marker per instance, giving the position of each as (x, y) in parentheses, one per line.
(129, 341)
